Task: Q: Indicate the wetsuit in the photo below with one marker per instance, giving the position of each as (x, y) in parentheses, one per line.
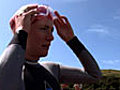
(15, 72)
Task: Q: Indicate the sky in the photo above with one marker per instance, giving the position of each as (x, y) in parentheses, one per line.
(95, 22)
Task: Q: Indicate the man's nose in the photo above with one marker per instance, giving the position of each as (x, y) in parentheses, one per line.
(50, 36)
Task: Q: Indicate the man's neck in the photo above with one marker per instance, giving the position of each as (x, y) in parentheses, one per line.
(31, 58)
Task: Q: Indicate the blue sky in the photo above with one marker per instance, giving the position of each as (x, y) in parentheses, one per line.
(95, 22)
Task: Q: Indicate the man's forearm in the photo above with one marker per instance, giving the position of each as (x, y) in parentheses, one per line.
(85, 57)
(90, 65)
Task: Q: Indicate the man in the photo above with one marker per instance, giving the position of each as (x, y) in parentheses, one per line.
(19, 67)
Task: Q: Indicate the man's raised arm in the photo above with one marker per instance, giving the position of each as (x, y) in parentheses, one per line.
(74, 75)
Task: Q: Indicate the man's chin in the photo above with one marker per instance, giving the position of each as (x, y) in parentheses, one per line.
(44, 54)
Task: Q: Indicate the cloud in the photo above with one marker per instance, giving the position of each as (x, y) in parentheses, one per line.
(104, 31)
(110, 62)
(117, 15)
(98, 29)
(74, 0)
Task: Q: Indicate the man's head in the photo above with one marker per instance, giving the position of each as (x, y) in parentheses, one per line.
(40, 33)
(40, 36)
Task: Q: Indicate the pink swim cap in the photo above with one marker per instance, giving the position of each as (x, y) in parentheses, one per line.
(45, 11)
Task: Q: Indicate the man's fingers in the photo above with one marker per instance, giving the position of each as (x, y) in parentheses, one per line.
(62, 19)
(57, 24)
(59, 17)
(31, 6)
(26, 8)
(50, 16)
(32, 12)
(65, 20)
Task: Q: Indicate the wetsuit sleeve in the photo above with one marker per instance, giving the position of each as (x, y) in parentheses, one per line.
(53, 68)
(91, 71)
(11, 63)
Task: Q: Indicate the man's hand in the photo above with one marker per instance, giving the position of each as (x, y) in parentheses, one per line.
(22, 18)
(63, 27)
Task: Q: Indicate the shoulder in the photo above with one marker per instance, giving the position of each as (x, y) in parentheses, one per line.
(53, 68)
(50, 65)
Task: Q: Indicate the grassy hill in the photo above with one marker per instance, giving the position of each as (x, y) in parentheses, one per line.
(110, 72)
(110, 81)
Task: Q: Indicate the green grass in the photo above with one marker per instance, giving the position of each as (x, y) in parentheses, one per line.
(110, 72)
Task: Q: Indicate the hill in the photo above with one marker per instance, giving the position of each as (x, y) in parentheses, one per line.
(110, 81)
(111, 72)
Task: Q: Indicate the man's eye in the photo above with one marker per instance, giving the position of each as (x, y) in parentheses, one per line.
(43, 28)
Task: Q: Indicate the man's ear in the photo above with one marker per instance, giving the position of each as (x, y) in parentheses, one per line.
(12, 24)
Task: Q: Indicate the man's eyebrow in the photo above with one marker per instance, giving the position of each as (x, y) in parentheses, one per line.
(46, 26)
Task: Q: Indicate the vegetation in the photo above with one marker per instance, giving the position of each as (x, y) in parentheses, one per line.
(109, 81)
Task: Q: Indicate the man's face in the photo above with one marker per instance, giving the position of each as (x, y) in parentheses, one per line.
(40, 37)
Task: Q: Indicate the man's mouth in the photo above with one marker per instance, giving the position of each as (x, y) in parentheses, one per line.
(46, 46)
